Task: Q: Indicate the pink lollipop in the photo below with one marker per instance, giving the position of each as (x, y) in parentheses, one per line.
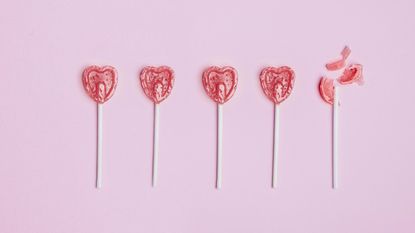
(277, 84)
(157, 83)
(329, 92)
(220, 85)
(100, 84)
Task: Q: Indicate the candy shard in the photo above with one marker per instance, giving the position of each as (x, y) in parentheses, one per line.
(100, 82)
(326, 88)
(352, 74)
(277, 82)
(157, 82)
(220, 83)
(340, 63)
(346, 52)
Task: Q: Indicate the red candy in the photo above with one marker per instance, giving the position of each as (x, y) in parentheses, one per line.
(326, 88)
(352, 74)
(157, 82)
(220, 83)
(100, 82)
(338, 64)
(277, 82)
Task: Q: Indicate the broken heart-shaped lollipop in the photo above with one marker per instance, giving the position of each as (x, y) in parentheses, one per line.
(277, 83)
(220, 83)
(157, 82)
(329, 92)
(100, 82)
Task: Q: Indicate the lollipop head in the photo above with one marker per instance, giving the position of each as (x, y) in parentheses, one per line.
(100, 82)
(157, 82)
(220, 83)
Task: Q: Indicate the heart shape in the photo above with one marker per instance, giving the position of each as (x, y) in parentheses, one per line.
(277, 83)
(220, 83)
(157, 82)
(100, 82)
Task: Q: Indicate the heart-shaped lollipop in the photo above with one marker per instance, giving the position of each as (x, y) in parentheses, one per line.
(329, 91)
(100, 82)
(277, 82)
(220, 83)
(157, 82)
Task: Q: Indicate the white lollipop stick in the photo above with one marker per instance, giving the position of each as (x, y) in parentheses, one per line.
(155, 144)
(219, 149)
(335, 135)
(276, 145)
(99, 146)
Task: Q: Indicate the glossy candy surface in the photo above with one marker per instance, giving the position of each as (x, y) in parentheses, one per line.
(340, 63)
(157, 82)
(326, 88)
(100, 82)
(277, 83)
(220, 83)
(352, 74)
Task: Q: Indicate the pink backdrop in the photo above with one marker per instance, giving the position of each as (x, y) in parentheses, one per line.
(48, 123)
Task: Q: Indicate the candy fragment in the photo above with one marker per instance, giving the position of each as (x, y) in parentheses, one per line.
(326, 88)
(340, 63)
(352, 74)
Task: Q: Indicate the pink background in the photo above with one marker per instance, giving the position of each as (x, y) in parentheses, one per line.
(48, 123)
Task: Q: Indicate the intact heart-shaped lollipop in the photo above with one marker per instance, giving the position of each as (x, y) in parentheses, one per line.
(100, 82)
(157, 82)
(220, 83)
(277, 82)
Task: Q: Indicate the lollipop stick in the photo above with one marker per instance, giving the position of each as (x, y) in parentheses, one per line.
(335, 135)
(219, 149)
(276, 145)
(99, 147)
(155, 143)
